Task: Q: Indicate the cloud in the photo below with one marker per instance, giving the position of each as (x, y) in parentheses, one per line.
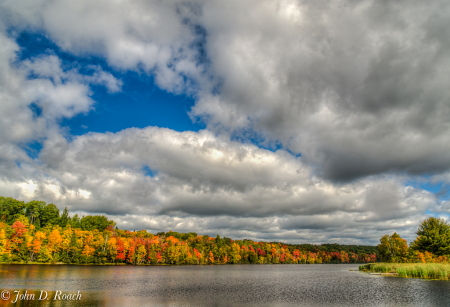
(35, 94)
(228, 186)
(42, 83)
(359, 89)
(154, 36)
(63, 93)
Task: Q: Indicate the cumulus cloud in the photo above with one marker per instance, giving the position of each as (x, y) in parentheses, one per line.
(154, 36)
(204, 182)
(35, 94)
(42, 81)
(359, 89)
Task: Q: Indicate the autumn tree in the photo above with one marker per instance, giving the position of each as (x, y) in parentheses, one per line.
(36, 232)
(18, 240)
(211, 258)
(35, 244)
(54, 243)
(5, 249)
(393, 248)
(235, 255)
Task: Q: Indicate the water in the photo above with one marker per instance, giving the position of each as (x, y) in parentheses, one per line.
(219, 285)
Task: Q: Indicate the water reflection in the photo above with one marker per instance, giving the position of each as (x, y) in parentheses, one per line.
(230, 285)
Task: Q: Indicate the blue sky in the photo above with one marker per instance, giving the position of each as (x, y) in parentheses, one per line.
(140, 103)
(193, 117)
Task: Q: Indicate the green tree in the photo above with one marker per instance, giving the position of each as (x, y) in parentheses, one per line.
(174, 234)
(10, 209)
(73, 248)
(49, 215)
(75, 221)
(218, 242)
(33, 212)
(186, 236)
(64, 219)
(433, 236)
(393, 248)
(92, 222)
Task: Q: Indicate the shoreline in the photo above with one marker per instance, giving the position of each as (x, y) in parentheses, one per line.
(167, 264)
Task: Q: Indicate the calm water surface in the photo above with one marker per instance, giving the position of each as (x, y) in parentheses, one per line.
(226, 285)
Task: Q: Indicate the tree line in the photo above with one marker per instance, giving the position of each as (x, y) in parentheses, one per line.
(39, 232)
(432, 244)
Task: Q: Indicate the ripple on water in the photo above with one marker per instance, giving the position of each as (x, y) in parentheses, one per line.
(225, 285)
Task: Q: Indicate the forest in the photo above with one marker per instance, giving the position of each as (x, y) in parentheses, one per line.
(36, 232)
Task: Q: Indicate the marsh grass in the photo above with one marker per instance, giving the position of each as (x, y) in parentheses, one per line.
(416, 270)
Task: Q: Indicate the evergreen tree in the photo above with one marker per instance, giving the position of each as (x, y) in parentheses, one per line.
(75, 221)
(433, 236)
(64, 219)
(49, 215)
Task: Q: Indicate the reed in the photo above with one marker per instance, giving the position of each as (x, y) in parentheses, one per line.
(415, 270)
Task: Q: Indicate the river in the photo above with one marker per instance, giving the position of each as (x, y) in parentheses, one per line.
(218, 285)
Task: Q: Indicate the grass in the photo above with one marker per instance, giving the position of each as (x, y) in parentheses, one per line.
(417, 270)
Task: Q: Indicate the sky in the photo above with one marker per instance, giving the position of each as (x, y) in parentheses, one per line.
(278, 120)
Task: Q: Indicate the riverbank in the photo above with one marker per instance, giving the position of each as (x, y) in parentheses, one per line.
(416, 270)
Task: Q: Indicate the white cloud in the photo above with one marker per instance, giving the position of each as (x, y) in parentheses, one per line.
(360, 89)
(42, 81)
(233, 187)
